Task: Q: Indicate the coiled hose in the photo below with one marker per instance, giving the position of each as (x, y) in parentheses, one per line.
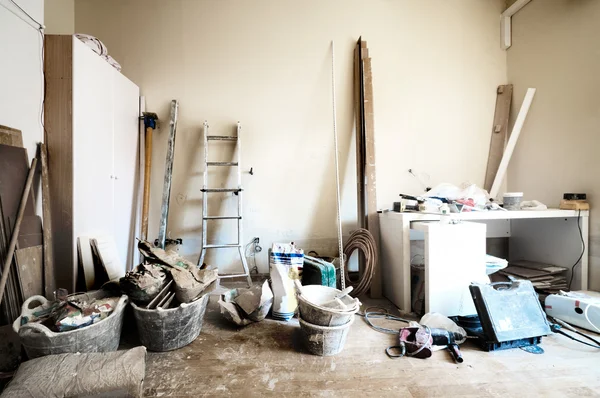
(362, 240)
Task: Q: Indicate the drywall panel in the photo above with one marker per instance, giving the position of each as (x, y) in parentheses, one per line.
(555, 50)
(436, 66)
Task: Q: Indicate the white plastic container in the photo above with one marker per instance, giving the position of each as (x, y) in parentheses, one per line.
(512, 200)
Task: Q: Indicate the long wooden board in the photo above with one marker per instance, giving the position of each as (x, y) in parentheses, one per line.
(499, 133)
(370, 171)
(58, 120)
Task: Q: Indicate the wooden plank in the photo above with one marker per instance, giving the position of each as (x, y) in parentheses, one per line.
(31, 232)
(512, 142)
(84, 249)
(370, 172)
(30, 266)
(13, 174)
(10, 136)
(358, 112)
(58, 64)
(15, 233)
(499, 133)
(49, 278)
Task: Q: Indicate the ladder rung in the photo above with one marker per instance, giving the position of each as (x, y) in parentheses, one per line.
(221, 190)
(223, 218)
(228, 245)
(221, 138)
(222, 163)
(232, 276)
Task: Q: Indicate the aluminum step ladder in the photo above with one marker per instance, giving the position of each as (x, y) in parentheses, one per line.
(238, 193)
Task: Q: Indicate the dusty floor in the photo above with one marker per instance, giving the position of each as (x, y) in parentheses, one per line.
(267, 359)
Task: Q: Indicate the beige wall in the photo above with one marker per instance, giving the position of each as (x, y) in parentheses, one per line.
(555, 49)
(436, 65)
(59, 16)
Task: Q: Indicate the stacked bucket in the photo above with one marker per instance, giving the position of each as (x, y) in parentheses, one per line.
(326, 315)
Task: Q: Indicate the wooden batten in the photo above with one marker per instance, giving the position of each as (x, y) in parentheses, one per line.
(58, 121)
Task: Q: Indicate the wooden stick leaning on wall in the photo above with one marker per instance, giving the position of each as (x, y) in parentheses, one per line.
(49, 281)
(15, 233)
(512, 141)
(499, 133)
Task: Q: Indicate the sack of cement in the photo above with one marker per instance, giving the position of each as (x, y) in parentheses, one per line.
(243, 306)
(189, 280)
(284, 262)
(112, 374)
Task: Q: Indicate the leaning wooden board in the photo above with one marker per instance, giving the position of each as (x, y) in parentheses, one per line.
(31, 273)
(499, 133)
(10, 136)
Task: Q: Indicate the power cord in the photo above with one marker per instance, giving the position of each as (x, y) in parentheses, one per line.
(256, 248)
(582, 248)
(557, 328)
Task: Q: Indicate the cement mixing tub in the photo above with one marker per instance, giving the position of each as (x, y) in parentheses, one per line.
(103, 336)
(323, 340)
(170, 329)
(310, 306)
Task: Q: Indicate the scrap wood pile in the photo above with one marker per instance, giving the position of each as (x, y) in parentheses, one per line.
(165, 279)
(544, 277)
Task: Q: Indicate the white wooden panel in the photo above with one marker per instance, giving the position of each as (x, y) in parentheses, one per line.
(454, 257)
(125, 128)
(394, 247)
(554, 241)
(92, 144)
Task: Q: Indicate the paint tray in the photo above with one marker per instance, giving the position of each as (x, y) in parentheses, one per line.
(510, 313)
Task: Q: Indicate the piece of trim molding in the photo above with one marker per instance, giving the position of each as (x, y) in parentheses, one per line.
(506, 22)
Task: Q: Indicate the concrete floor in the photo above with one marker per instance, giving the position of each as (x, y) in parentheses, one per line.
(268, 359)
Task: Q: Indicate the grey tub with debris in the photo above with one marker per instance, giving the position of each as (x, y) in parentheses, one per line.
(103, 336)
(169, 329)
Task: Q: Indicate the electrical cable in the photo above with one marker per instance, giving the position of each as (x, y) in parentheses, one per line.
(40, 26)
(362, 240)
(582, 248)
(368, 315)
(560, 323)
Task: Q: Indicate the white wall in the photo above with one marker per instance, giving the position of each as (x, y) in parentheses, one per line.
(59, 17)
(555, 49)
(266, 63)
(21, 80)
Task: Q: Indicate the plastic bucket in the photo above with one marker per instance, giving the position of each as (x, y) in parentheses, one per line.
(512, 200)
(311, 310)
(103, 336)
(170, 329)
(324, 340)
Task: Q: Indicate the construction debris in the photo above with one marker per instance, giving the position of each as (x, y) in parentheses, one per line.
(144, 283)
(244, 306)
(189, 280)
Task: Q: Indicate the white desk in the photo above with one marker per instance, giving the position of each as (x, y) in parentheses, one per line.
(550, 236)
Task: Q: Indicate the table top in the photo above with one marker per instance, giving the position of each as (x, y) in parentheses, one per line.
(489, 215)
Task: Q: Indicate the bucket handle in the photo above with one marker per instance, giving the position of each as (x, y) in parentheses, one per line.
(25, 310)
(37, 328)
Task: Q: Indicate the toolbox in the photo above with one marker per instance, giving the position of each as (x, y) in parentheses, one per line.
(510, 313)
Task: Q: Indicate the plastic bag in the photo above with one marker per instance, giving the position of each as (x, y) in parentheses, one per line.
(439, 321)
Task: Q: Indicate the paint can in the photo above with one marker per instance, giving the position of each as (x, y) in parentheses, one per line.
(512, 200)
